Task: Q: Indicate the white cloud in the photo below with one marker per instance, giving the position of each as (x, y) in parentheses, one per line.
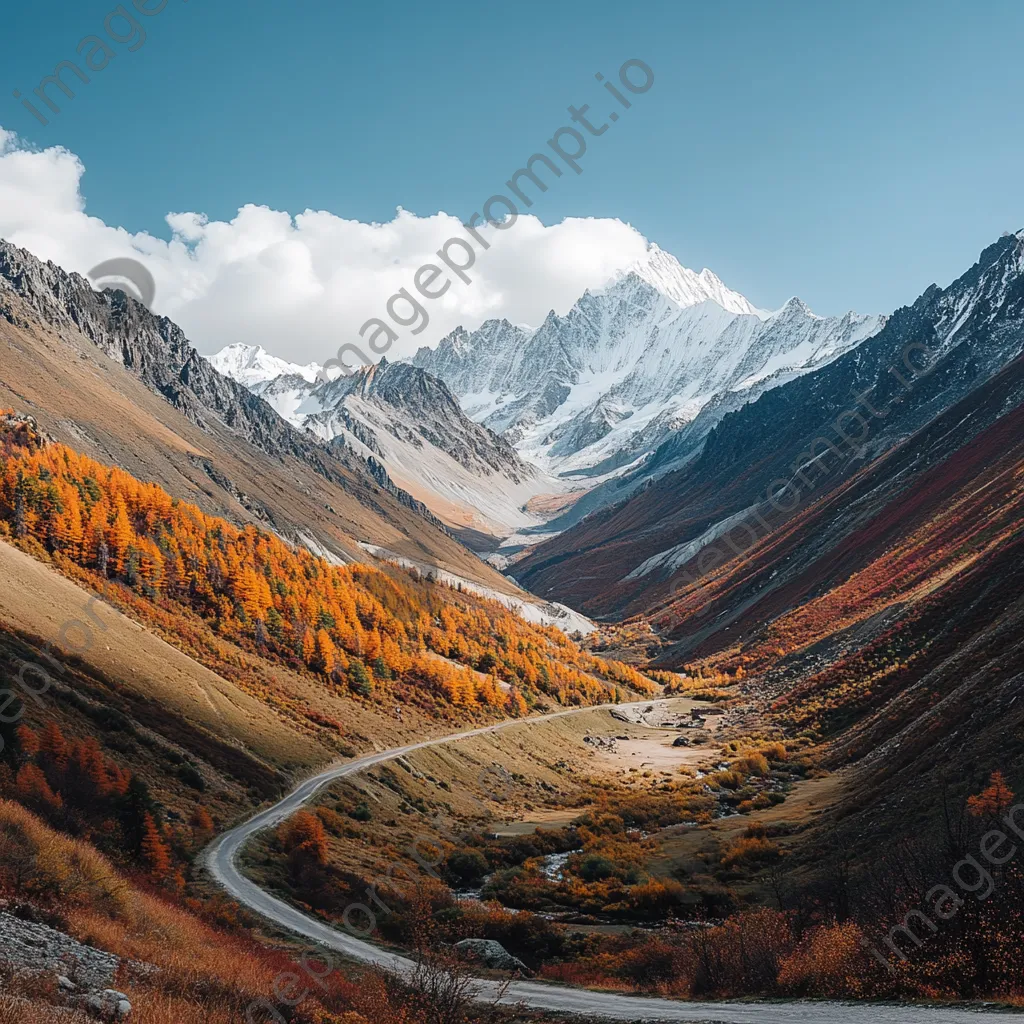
(303, 285)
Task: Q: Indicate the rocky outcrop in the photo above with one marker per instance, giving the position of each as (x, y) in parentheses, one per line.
(109, 1005)
(27, 945)
(81, 974)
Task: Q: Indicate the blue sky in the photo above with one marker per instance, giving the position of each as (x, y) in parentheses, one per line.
(848, 153)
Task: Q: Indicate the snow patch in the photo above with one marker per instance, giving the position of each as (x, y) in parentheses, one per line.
(673, 557)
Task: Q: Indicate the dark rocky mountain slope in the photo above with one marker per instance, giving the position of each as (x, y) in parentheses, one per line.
(768, 461)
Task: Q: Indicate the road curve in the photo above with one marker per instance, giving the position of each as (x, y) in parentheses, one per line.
(221, 855)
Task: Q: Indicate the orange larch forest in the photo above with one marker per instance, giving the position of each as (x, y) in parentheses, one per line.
(372, 631)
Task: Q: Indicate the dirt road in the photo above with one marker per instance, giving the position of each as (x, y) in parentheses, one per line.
(220, 858)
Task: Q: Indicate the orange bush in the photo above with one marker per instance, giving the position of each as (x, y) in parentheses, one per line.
(751, 850)
(829, 963)
(993, 800)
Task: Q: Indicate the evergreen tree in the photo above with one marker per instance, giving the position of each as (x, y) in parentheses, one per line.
(132, 811)
(359, 678)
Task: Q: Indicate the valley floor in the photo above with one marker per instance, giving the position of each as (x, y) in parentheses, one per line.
(221, 860)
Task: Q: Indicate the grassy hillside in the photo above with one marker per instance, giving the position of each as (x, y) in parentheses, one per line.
(170, 671)
(882, 628)
(190, 964)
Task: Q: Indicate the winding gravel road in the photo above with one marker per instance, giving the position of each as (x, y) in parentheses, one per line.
(221, 855)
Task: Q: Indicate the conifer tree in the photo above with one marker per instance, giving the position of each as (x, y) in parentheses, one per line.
(153, 849)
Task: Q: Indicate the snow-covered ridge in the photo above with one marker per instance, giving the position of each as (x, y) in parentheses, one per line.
(519, 417)
(253, 364)
(680, 554)
(592, 392)
(662, 270)
(412, 425)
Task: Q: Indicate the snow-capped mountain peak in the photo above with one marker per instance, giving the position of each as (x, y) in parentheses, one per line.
(586, 399)
(684, 287)
(591, 392)
(253, 364)
(794, 307)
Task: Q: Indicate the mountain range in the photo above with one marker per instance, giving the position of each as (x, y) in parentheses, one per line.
(406, 422)
(100, 372)
(574, 411)
(624, 557)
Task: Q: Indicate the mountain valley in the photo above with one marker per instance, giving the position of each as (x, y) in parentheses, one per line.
(755, 677)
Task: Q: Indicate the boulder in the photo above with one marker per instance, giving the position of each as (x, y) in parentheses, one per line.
(109, 1005)
(490, 953)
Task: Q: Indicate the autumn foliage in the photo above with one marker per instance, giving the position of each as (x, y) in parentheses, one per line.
(72, 784)
(192, 972)
(354, 626)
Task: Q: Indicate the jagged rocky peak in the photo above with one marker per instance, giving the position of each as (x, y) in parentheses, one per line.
(794, 307)
(399, 384)
(403, 420)
(628, 364)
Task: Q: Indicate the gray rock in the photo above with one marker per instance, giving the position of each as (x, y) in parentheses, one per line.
(27, 946)
(108, 1004)
(490, 953)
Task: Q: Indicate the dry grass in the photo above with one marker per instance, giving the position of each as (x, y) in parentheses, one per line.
(123, 650)
(204, 975)
(36, 860)
(202, 972)
(15, 1010)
